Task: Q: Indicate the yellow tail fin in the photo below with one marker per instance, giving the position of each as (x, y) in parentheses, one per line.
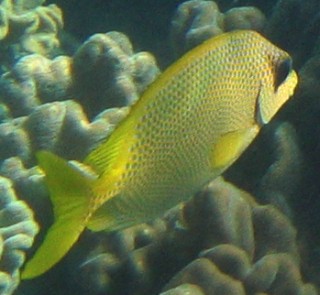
(70, 195)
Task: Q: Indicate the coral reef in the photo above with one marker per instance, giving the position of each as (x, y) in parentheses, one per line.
(198, 20)
(280, 177)
(103, 73)
(37, 112)
(17, 232)
(216, 274)
(291, 182)
(27, 27)
(108, 73)
(294, 16)
(61, 127)
(221, 240)
(29, 184)
(304, 115)
(284, 177)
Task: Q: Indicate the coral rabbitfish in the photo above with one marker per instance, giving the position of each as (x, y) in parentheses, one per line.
(190, 125)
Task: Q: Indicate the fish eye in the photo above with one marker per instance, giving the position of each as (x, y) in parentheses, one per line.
(282, 71)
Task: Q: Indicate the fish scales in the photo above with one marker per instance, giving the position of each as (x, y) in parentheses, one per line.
(189, 126)
(171, 117)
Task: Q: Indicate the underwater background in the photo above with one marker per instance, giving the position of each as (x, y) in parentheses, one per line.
(69, 72)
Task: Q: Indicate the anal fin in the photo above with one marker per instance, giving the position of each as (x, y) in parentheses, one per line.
(111, 216)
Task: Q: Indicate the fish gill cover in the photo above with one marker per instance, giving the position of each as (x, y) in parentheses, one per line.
(255, 232)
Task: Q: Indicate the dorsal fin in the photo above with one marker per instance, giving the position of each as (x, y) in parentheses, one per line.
(112, 149)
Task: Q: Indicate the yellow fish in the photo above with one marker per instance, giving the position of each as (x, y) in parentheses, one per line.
(190, 125)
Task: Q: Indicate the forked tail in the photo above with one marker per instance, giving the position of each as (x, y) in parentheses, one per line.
(70, 195)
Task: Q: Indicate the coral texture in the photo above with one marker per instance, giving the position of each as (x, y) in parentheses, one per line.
(284, 177)
(108, 73)
(295, 25)
(103, 73)
(229, 244)
(17, 232)
(27, 27)
(244, 242)
(35, 92)
(61, 127)
(221, 241)
(37, 112)
(198, 20)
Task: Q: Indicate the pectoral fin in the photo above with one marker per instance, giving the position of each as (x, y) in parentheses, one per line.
(230, 146)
